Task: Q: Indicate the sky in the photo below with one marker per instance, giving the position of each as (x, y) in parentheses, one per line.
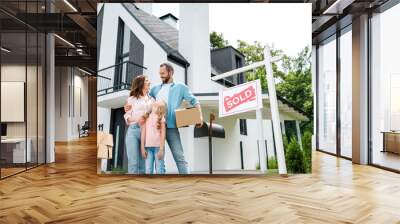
(283, 26)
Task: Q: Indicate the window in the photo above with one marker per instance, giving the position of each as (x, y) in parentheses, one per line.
(346, 93)
(385, 88)
(243, 126)
(239, 64)
(22, 74)
(327, 95)
(123, 43)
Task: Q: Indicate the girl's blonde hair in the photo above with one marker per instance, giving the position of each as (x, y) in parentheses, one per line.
(160, 112)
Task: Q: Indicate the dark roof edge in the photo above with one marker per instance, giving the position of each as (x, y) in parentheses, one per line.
(168, 15)
(230, 46)
(178, 60)
(281, 98)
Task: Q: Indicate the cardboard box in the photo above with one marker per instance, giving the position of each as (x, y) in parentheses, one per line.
(187, 116)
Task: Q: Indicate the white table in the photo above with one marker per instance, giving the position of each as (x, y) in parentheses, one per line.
(19, 149)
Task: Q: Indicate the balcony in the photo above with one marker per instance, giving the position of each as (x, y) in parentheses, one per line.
(114, 83)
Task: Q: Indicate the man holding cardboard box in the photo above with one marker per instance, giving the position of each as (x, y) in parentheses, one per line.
(173, 94)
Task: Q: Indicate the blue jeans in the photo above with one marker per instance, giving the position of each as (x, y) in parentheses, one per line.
(152, 160)
(175, 144)
(136, 163)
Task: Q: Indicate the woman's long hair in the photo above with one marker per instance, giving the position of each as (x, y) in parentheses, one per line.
(137, 86)
(160, 112)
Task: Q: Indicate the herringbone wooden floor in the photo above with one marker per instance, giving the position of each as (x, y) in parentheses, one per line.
(70, 191)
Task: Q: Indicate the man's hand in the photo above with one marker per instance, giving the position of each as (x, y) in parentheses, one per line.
(199, 125)
(127, 107)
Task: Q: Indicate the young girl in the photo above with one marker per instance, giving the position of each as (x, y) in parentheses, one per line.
(153, 139)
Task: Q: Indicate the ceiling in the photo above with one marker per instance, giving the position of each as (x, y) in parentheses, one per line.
(74, 22)
(331, 15)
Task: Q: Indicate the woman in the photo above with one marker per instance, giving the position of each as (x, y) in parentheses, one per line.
(141, 104)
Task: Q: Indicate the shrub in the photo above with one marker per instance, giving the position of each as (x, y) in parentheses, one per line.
(119, 170)
(257, 166)
(295, 158)
(306, 143)
(272, 163)
(285, 142)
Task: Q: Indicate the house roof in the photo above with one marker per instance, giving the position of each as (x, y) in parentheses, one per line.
(164, 34)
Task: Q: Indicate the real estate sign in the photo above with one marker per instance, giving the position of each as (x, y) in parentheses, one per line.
(240, 98)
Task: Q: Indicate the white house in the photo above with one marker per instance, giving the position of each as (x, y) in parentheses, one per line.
(132, 41)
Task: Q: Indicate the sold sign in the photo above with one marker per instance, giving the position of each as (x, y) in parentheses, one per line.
(240, 98)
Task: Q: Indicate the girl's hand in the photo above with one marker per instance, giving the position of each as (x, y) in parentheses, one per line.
(160, 155)
(130, 119)
(142, 121)
(144, 154)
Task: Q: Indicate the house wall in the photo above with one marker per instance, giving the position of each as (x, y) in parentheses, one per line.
(226, 152)
(195, 46)
(154, 55)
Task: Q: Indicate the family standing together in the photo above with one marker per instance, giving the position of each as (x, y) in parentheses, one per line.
(150, 116)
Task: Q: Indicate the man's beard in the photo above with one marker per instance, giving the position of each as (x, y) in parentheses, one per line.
(166, 80)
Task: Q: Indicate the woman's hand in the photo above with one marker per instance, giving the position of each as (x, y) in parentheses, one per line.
(144, 153)
(160, 154)
(127, 107)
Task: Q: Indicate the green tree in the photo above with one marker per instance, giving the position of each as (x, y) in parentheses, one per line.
(254, 53)
(217, 40)
(296, 83)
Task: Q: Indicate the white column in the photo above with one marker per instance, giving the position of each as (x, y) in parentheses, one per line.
(270, 139)
(298, 134)
(314, 89)
(360, 90)
(275, 112)
(50, 101)
(261, 141)
(283, 127)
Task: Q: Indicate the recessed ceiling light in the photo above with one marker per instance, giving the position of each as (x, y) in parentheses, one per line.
(64, 40)
(84, 71)
(70, 5)
(5, 50)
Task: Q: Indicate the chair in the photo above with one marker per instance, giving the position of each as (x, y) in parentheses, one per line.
(84, 130)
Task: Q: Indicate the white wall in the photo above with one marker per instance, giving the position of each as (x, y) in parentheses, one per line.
(154, 55)
(69, 82)
(194, 45)
(226, 152)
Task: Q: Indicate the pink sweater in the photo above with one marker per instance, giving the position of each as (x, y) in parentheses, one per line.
(139, 108)
(153, 135)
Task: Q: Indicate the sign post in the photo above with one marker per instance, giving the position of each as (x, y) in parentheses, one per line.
(276, 125)
(240, 101)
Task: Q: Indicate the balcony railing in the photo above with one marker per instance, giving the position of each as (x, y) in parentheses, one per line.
(117, 77)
